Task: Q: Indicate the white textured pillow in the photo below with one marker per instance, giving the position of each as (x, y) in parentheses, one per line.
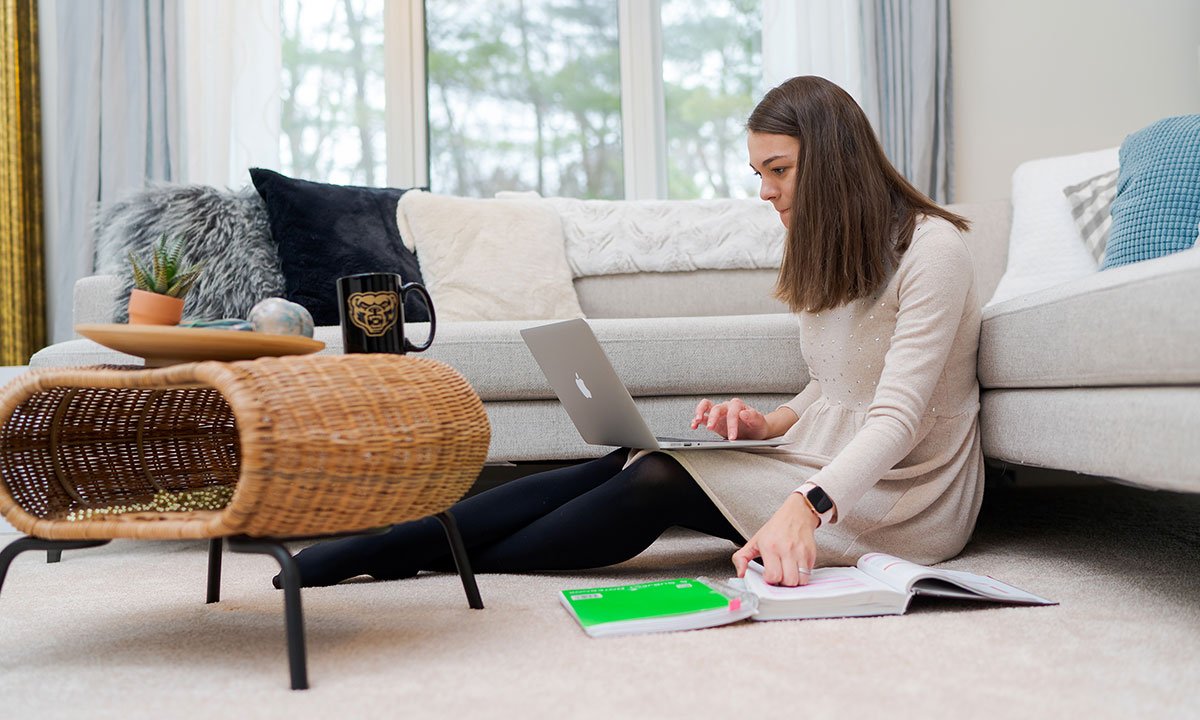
(612, 237)
(489, 259)
(1044, 248)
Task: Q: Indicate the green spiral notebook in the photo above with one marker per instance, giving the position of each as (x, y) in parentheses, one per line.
(661, 606)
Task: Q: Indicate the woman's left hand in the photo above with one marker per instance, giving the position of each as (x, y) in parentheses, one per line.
(785, 544)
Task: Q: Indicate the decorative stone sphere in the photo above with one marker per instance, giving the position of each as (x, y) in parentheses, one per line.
(276, 316)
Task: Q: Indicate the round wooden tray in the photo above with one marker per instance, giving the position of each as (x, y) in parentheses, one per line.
(162, 345)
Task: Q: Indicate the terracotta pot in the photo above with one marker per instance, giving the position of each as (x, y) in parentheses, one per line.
(147, 308)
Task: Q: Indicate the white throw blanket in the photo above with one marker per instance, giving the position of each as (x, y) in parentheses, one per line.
(610, 237)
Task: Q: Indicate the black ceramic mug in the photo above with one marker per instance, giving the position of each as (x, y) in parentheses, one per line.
(372, 313)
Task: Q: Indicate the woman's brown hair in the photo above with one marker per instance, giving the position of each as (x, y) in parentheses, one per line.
(853, 214)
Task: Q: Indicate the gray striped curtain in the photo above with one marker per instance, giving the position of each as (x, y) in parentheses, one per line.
(906, 88)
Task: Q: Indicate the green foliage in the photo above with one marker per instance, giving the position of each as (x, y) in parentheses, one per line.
(163, 275)
(712, 69)
(522, 94)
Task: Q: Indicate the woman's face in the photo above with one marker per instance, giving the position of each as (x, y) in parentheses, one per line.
(773, 159)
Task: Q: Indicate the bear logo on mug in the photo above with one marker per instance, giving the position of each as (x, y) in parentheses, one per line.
(373, 312)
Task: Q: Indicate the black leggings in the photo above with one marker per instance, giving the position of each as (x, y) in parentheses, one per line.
(583, 516)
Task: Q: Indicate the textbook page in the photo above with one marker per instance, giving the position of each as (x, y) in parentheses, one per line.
(824, 583)
(912, 578)
(830, 592)
(892, 571)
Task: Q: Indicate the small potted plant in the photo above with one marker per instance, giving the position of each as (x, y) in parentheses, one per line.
(159, 290)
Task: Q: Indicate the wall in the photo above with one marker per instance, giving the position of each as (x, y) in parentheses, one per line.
(1037, 78)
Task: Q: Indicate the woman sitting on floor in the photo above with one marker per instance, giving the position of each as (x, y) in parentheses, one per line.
(883, 448)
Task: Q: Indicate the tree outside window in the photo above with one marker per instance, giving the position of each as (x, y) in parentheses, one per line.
(712, 76)
(521, 95)
(524, 95)
(332, 114)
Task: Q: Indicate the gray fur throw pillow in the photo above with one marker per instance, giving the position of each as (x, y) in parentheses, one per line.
(226, 230)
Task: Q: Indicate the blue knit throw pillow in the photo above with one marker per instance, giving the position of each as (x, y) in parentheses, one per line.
(1157, 208)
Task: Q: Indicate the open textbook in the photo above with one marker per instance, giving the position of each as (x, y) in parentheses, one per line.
(878, 585)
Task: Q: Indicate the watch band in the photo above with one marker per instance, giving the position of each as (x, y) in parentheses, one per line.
(818, 500)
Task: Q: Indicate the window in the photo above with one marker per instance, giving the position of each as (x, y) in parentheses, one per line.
(332, 110)
(524, 95)
(580, 98)
(712, 77)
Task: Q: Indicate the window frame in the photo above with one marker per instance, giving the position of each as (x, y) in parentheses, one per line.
(405, 85)
(643, 110)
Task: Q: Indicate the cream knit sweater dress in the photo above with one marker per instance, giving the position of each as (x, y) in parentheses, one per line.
(888, 424)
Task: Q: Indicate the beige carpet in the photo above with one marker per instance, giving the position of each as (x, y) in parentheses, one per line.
(122, 631)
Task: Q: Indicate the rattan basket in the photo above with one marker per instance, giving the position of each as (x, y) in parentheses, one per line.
(302, 445)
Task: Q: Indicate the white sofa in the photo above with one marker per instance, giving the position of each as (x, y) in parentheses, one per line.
(1095, 376)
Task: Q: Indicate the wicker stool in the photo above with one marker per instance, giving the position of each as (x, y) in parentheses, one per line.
(250, 452)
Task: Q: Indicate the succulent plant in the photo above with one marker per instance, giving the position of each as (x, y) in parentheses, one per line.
(163, 276)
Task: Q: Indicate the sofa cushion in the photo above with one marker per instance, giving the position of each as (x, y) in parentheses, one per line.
(489, 259)
(1139, 435)
(1091, 206)
(679, 294)
(327, 231)
(1134, 325)
(1044, 248)
(988, 241)
(1157, 206)
(536, 430)
(733, 355)
(652, 356)
(79, 353)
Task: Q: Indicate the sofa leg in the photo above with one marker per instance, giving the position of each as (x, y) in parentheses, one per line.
(459, 550)
(53, 556)
(214, 570)
(16, 547)
(293, 614)
(999, 475)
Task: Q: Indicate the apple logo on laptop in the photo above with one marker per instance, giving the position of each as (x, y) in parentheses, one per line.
(583, 388)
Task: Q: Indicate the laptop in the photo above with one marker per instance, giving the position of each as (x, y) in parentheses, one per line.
(595, 398)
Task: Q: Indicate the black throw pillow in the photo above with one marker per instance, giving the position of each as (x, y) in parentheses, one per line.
(326, 231)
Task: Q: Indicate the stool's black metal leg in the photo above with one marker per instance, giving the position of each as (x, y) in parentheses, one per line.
(459, 550)
(53, 556)
(293, 615)
(214, 570)
(16, 547)
(10, 553)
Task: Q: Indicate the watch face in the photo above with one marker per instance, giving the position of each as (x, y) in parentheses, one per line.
(819, 500)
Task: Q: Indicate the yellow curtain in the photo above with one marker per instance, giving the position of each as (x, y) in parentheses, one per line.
(22, 282)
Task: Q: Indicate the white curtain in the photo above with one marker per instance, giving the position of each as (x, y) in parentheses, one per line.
(110, 114)
(138, 91)
(814, 37)
(892, 56)
(232, 79)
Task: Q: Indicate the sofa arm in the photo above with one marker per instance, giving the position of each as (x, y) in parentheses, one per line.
(1060, 336)
(991, 223)
(96, 299)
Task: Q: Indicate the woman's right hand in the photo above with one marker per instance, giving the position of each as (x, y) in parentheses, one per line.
(732, 420)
